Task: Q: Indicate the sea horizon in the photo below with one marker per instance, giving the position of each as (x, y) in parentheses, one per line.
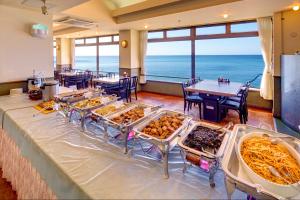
(238, 68)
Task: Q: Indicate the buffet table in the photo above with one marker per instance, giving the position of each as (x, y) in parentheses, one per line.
(68, 163)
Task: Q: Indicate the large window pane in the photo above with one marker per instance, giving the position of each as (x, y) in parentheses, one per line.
(229, 59)
(155, 35)
(54, 57)
(85, 58)
(211, 30)
(109, 58)
(245, 27)
(171, 60)
(179, 33)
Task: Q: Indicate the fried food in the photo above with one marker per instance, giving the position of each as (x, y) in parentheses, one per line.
(48, 105)
(88, 103)
(165, 126)
(129, 116)
(106, 110)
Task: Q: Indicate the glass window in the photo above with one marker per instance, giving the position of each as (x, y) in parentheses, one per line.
(210, 30)
(169, 61)
(54, 43)
(79, 41)
(116, 38)
(155, 35)
(105, 39)
(85, 58)
(245, 27)
(54, 57)
(179, 33)
(109, 58)
(229, 59)
(91, 40)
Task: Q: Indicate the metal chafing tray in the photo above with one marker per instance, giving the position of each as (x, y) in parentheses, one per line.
(149, 110)
(164, 145)
(235, 177)
(209, 160)
(84, 112)
(120, 104)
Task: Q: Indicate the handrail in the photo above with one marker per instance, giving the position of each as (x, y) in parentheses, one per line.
(165, 76)
(252, 80)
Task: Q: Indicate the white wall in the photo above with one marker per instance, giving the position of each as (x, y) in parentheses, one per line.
(20, 53)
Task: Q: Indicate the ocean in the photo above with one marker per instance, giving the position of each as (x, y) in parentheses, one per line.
(238, 68)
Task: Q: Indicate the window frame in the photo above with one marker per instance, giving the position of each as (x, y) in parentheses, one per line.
(97, 44)
(193, 37)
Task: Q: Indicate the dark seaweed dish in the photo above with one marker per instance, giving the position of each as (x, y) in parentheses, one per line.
(203, 138)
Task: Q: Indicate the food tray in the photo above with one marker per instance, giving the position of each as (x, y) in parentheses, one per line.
(42, 110)
(148, 110)
(236, 177)
(104, 101)
(138, 129)
(71, 97)
(221, 149)
(121, 106)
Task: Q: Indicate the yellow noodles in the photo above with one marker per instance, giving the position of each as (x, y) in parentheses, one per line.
(259, 154)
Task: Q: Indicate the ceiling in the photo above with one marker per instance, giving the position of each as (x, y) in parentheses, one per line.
(104, 13)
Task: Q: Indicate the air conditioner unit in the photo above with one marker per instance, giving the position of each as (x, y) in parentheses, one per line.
(69, 21)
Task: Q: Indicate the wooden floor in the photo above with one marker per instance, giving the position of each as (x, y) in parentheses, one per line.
(256, 117)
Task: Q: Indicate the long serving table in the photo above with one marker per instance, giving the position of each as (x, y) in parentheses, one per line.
(76, 165)
(211, 91)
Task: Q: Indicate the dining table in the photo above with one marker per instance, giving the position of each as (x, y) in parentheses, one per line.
(212, 91)
(107, 80)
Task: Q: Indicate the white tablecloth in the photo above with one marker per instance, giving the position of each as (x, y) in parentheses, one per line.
(75, 165)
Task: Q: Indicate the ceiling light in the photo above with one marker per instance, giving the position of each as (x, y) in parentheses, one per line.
(296, 7)
(225, 16)
(146, 26)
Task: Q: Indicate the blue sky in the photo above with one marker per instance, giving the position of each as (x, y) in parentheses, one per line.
(228, 46)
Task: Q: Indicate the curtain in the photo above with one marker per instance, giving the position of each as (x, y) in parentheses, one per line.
(265, 30)
(143, 36)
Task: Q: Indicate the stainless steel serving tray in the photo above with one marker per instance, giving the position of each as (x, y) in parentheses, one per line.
(236, 177)
(71, 97)
(138, 129)
(150, 111)
(220, 151)
(112, 98)
(125, 106)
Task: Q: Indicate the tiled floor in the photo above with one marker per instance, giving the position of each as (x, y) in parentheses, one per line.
(256, 117)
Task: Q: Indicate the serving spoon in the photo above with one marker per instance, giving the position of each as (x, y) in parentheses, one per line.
(274, 171)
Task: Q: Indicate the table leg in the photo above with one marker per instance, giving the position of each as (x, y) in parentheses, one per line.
(165, 154)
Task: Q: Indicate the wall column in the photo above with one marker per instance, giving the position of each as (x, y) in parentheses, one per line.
(65, 53)
(129, 56)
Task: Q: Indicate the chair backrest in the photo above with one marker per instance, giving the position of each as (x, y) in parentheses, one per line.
(124, 83)
(184, 85)
(133, 82)
(244, 96)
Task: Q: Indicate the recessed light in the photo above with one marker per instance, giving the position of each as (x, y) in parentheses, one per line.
(225, 16)
(145, 26)
(296, 7)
